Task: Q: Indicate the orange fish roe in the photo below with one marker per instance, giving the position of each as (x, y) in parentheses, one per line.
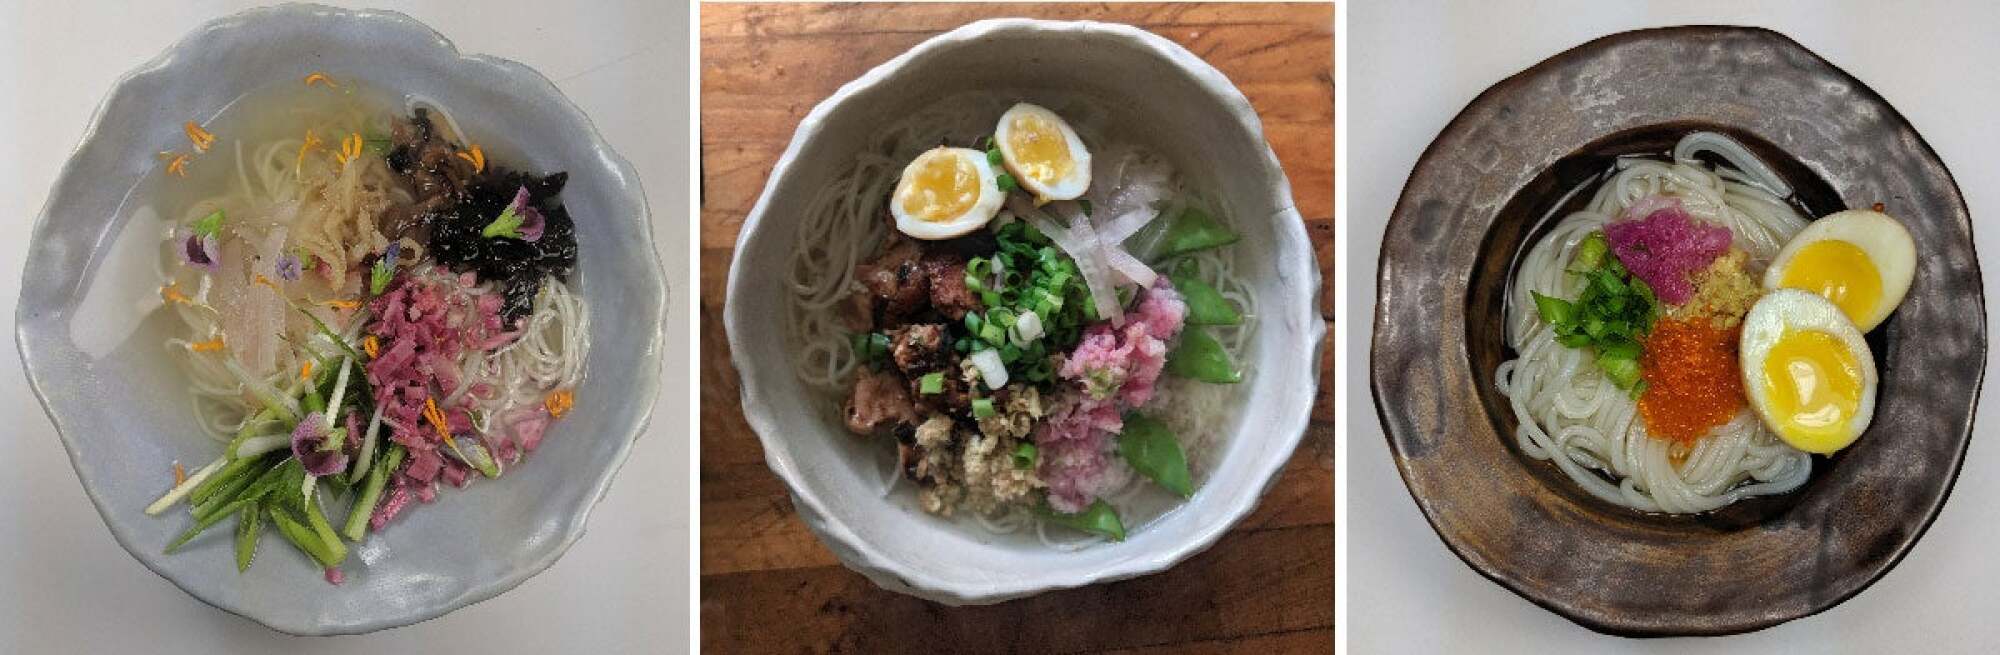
(1693, 380)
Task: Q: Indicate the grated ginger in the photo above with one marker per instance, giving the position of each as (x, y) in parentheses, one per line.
(1723, 292)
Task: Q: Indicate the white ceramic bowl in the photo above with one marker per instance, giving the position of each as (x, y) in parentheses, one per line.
(1165, 98)
(96, 355)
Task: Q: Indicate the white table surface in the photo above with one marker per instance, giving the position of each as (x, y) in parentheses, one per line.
(66, 586)
(1412, 67)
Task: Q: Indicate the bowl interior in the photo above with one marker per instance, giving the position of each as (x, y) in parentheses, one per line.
(1156, 101)
(1519, 225)
(94, 341)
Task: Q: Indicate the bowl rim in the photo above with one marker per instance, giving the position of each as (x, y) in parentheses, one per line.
(857, 553)
(652, 275)
(1501, 573)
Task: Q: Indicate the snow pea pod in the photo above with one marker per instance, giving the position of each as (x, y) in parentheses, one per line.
(1194, 230)
(1205, 305)
(1098, 519)
(1150, 447)
(1200, 357)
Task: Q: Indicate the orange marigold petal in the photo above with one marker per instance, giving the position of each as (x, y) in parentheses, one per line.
(476, 157)
(559, 402)
(201, 138)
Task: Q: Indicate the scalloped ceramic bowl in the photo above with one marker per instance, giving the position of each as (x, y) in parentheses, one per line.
(95, 357)
(1169, 100)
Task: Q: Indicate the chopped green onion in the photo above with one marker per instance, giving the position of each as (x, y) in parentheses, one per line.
(983, 407)
(1611, 313)
(931, 383)
(1590, 253)
(1024, 456)
(1554, 310)
(1623, 371)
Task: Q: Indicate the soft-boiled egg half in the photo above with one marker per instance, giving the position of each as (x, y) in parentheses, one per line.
(946, 192)
(1862, 260)
(1807, 371)
(1043, 153)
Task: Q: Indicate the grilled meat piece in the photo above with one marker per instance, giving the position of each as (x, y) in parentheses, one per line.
(920, 348)
(899, 287)
(948, 293)
(879, 403)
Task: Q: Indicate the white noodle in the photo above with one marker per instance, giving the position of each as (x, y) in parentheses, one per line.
(1569, 413)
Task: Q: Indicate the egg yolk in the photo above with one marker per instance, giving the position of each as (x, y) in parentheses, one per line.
(944, 187)
(1814, 386)
(1838, 271)
(1040, 151)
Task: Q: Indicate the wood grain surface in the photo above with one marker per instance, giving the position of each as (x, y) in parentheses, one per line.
(768, 585)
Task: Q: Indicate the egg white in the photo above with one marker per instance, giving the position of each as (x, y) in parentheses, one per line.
(982, 210)
(1796, 309)
(1884, 240)
(1068, 187)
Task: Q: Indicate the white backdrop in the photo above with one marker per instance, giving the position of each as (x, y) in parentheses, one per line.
(1414, 65)
(66, 586)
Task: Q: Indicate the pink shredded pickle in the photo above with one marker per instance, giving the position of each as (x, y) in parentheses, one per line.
(1664, 246)
(1114, 369)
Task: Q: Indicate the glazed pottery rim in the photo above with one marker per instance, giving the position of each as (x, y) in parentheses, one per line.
(859, 554)
(574, 525)
(1498, 572)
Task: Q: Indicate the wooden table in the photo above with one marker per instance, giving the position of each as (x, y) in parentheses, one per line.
(767, 584)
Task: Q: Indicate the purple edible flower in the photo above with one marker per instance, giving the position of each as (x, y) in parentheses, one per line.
(201, 252)
(531, 218)
(309, 445)
(289, 267)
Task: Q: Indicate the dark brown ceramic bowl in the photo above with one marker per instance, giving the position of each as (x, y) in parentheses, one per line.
(1471, 204)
